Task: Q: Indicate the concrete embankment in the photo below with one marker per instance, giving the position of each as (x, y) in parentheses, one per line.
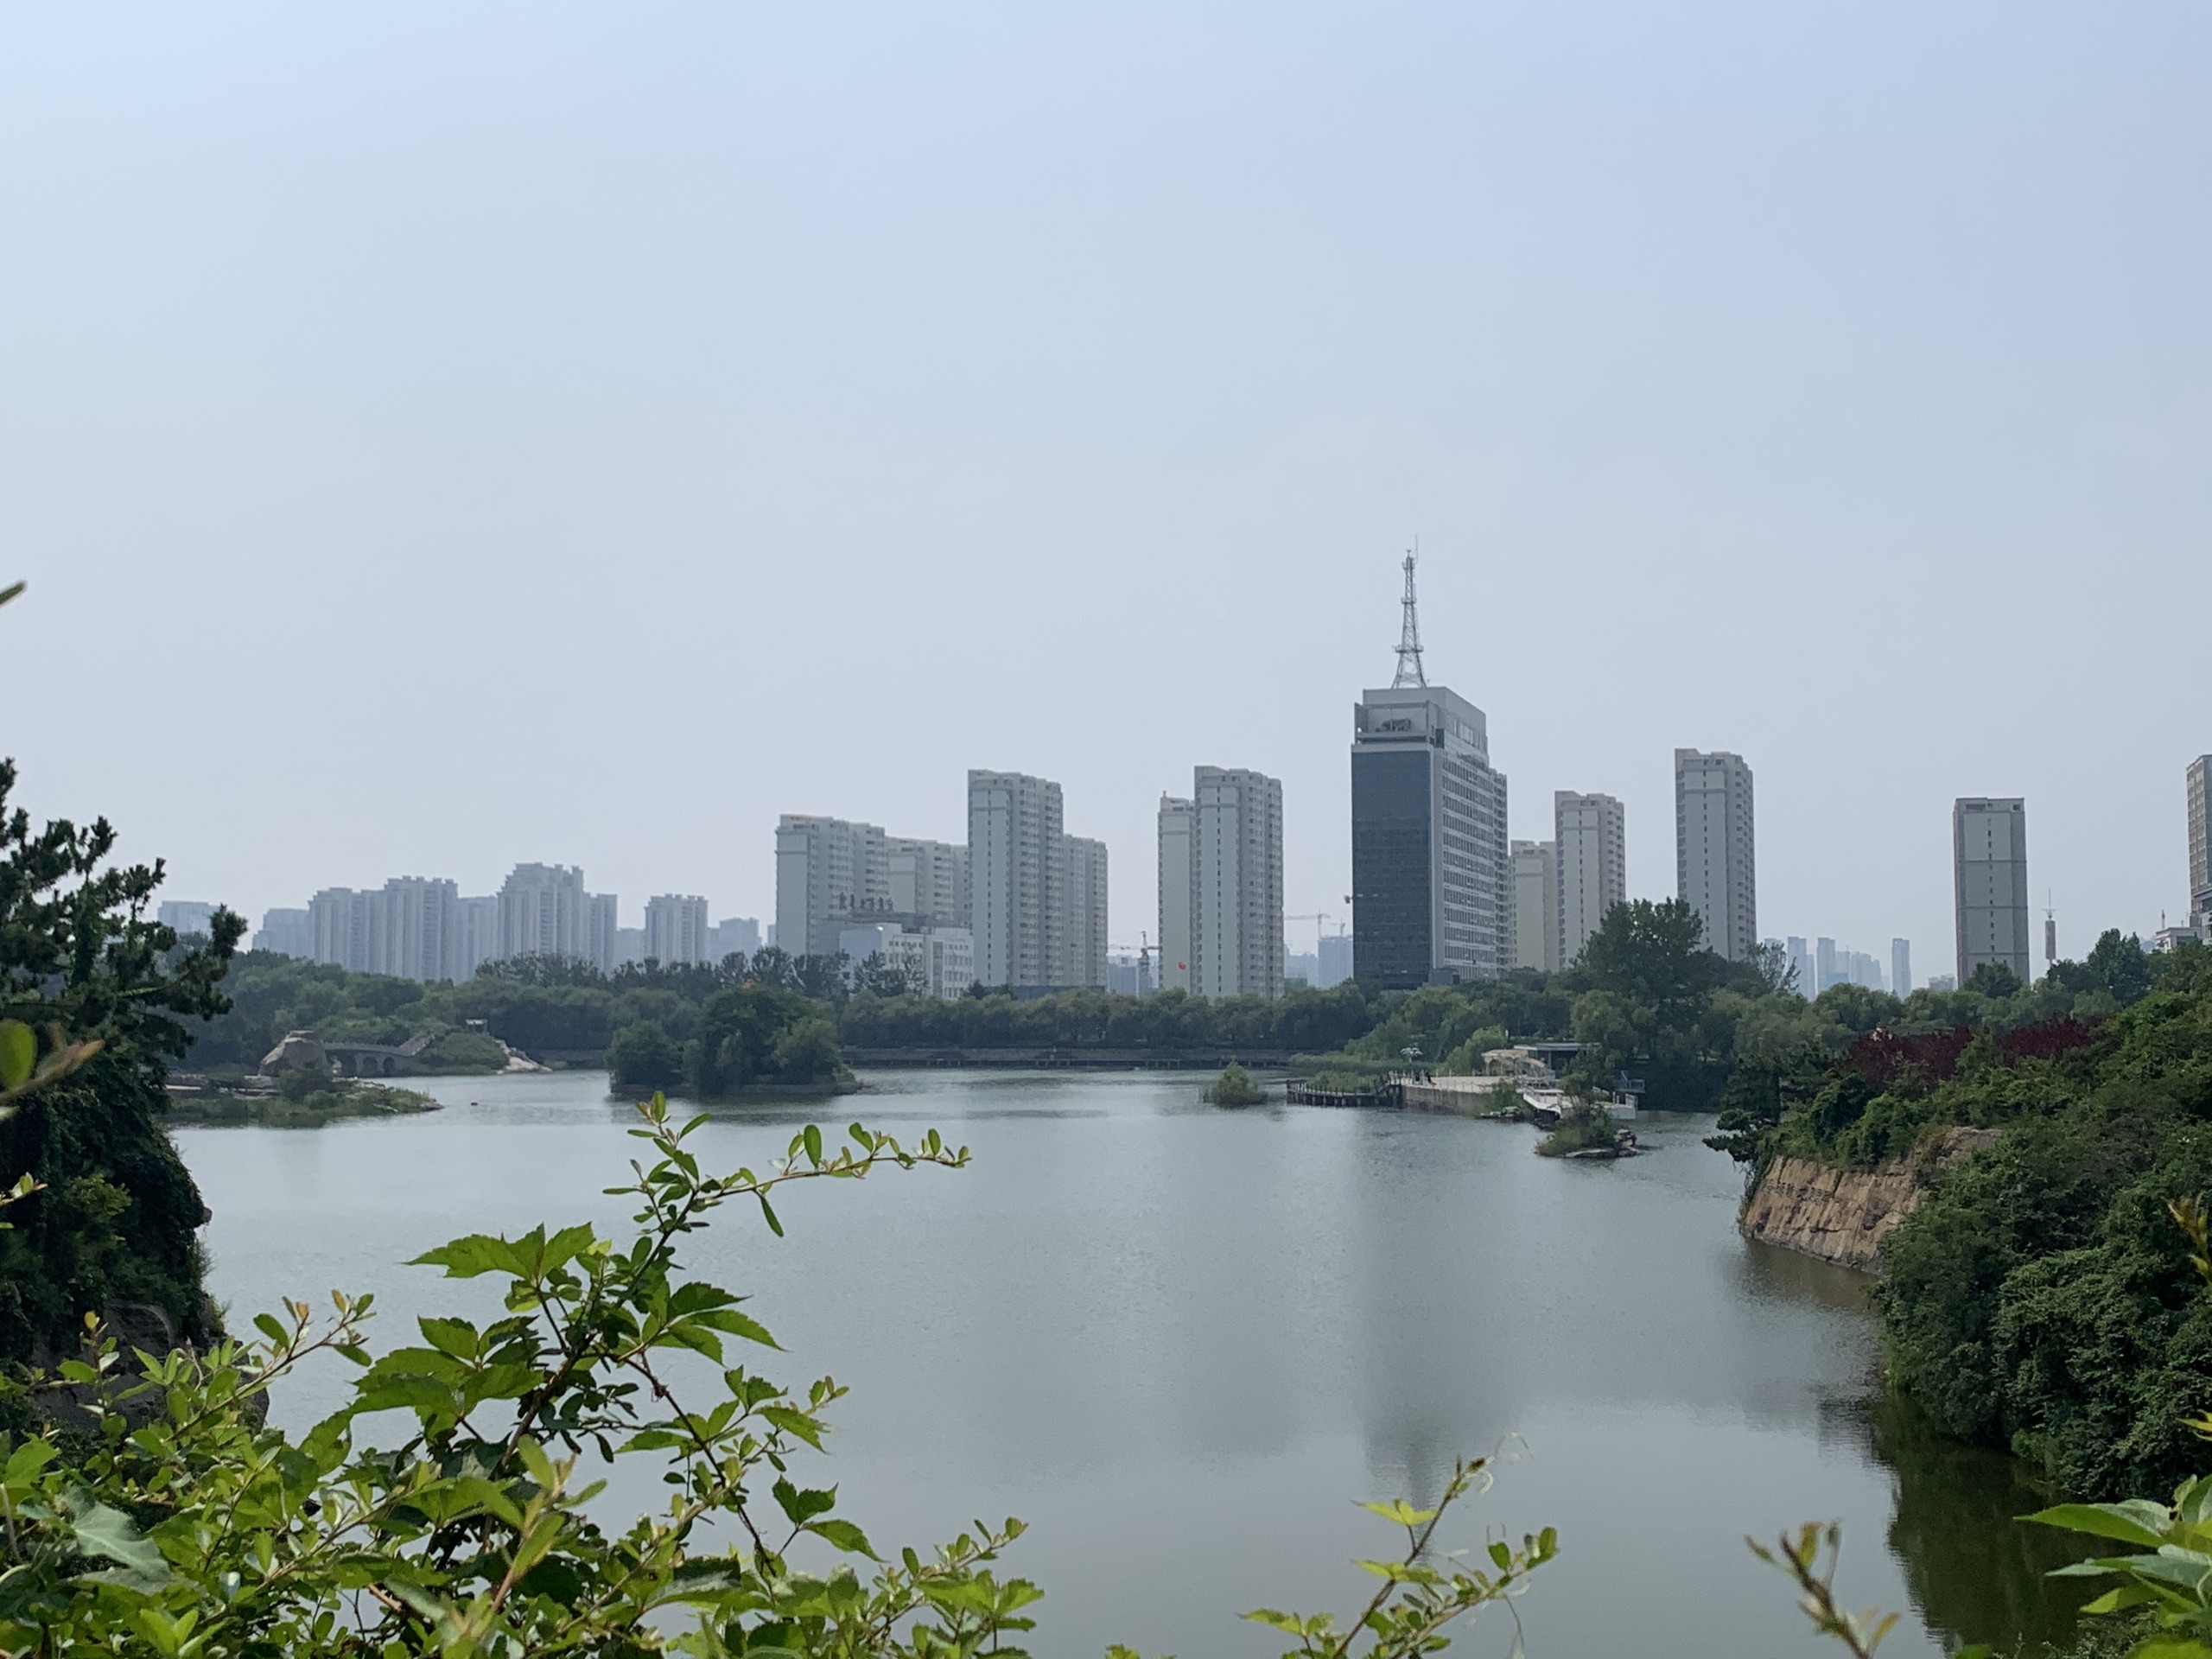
(1843, 1215)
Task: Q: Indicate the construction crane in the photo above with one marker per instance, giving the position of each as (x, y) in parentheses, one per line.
(1318, 918)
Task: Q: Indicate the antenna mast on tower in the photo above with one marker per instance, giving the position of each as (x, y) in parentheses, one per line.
(1409, 639)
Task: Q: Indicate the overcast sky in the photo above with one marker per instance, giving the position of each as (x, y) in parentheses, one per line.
(437, 436)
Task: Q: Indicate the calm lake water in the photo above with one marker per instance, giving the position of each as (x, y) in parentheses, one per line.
(1180, 1342)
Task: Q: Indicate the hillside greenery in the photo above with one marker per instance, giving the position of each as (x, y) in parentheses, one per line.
(2039, 1297)
(112, 1224)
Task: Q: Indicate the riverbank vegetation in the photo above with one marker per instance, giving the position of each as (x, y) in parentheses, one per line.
(303, 1099)
(2039, 1297)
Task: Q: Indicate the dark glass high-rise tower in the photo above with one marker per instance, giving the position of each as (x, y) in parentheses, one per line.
(1429, 854)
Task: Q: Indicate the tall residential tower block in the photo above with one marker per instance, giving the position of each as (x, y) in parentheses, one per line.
(1989, 861)
(1715, 872)
(1235, 900)
(1591, 834)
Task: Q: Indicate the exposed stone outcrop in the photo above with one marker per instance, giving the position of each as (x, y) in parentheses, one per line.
(1843, 1215)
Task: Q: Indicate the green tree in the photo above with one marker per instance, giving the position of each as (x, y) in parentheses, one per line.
(114, 1219)
(642, 1056)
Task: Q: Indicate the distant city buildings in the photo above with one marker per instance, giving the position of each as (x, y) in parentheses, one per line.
(185, 917)
(1176, 825)
(735, 935)
(938, 961)
(927, 882)
(1535, 904)
(479, 932)
(603, 933)
(1941, 982)
(676, 930)
(544, 911)
(287, 933)
(1039, 896)
(1235, 901)
(1079, 935)
(1834, 966)
(1592, 837)
(2198, 786)
(1801, 965)
(1901, 967)
(1989, 851)
(411, 928)
(1131, 973)
(832, 875)
(1714, 866)
(1334, 952)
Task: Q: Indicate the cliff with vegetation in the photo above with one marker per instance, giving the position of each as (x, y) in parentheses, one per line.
(1843, 1215)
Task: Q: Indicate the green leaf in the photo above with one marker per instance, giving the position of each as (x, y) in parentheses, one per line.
(18, 1052)
(2135, 1521)
(464, 1258)
(454, 1337)
(813, 1136)
(845, 1536)
(25, 1461)
(109, 1535)
(1399, 1511)
(803, 1507)
(2128, 1595)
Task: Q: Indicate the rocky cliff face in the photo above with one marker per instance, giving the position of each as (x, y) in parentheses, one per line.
(1843, 1215)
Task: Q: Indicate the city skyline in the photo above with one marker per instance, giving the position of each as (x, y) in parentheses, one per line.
(1751, 381)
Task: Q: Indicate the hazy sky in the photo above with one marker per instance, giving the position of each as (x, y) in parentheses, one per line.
(438, 436)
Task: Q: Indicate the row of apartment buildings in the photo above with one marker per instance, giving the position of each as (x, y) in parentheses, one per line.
(425, 928)
(1023, 904)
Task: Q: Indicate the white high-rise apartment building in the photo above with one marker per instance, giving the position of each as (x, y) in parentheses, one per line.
(1714, 868)
(1592, 833)
(927, 882)
(1536, 905)
(830, 874)
(1079, 920)
(1901, 967)
(1989, 861)
(676, 928)
(734, 935)
(479, 931)
(605, 922)
(286, 933)
(2199, 785)
(1037, 895)
(184, 916)
(1176, 824)
(414, 928)
(338, 929)
(1236, 883)
(1801, 959)
(1015, 867)
(544, 911)
(411, 928)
